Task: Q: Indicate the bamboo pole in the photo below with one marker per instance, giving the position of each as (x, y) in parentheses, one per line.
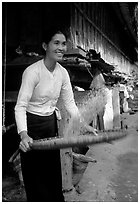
(82, 140)
(61, 143)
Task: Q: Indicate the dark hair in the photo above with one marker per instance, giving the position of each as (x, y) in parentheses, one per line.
(50, 32)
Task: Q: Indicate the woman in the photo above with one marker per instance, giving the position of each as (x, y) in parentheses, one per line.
(42, 84)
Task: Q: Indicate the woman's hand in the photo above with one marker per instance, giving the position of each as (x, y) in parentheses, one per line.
(90, 129)
(25, 140)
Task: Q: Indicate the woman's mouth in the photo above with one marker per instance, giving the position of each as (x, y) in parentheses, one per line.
(59, 54)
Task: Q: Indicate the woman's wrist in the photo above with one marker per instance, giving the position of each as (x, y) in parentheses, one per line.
(23, 134)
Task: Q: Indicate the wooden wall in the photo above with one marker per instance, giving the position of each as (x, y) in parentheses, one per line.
(95, 26)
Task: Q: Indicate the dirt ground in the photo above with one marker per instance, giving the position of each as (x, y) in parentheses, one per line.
(114, 177)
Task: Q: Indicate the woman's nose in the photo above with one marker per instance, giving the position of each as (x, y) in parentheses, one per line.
(62, 47)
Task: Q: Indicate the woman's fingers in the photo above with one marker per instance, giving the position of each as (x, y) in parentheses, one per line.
(92, 130)
(30, 140)
(24, 146)
(95, 131)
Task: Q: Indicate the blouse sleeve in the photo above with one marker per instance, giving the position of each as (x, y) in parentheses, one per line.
(68, 96)
(29, 80)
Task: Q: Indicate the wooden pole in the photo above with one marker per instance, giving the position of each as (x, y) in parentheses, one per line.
(4, 71)
(82, 140)
(116, 108)
(66, 160)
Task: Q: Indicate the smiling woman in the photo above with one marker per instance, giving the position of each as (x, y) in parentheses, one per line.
(36, 117)
(54, 48)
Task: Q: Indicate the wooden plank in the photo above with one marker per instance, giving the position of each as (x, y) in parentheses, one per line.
(75, 51)
(116, 108)
(80, 29)
(65, 154)
(66, 166)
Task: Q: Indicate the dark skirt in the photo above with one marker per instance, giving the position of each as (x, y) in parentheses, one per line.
(41, 169)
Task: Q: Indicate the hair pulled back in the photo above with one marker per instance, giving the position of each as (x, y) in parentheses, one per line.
(50, 32)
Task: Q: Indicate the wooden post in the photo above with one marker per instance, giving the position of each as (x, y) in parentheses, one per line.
(66, 158)
(121, 95)
(100, 120)
(116, 108)
(108, 113)
(66, 165)
(66, 161)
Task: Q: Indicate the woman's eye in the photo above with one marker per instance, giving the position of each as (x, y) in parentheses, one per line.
(64, 43)
(56, 42)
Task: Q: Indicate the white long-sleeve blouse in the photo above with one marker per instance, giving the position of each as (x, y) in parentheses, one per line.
(40, 90)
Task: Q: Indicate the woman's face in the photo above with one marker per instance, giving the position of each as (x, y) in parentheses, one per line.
(56, 47)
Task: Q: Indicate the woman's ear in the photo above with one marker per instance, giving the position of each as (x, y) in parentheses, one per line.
(44, 46)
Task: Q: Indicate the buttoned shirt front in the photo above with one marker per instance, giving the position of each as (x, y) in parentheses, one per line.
(40, 90)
